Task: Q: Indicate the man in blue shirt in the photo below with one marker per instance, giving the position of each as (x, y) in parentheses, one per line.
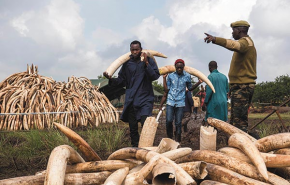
(217, 103)
(176, 87)
(137, 77)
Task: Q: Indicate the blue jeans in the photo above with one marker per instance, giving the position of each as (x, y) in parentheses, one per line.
(174, 112)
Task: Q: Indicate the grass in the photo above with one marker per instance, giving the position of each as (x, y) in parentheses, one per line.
(28, 152)
(271, 125)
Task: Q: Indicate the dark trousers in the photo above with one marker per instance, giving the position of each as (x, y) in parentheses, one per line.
(133, 124)
(171, 113)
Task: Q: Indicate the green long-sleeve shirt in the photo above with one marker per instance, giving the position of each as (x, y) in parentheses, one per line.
(243, 64)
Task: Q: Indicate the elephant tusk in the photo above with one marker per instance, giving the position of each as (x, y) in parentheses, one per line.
(122, 59)
(190, 70)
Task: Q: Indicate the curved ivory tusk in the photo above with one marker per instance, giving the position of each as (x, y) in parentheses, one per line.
(57, 162)
(79, 142)
(247, 146)
(117, 177)
(145, 156)
(74, 178)
(122, 59)
(108, 165)
(209, 182)
(25, 180)
(231, 163)
(87, 178)
(227, 128)
(177, 153)
(172, 155)
(166, 144)
(271, 160)
(197, 169)
(190, 70)
(139, 176)
(148, 132)
(273, 142)
(163, 174)
(236, 153)
(285, 171)
(221, 174)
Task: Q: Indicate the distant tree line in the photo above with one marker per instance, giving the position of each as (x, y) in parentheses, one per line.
(274, 92)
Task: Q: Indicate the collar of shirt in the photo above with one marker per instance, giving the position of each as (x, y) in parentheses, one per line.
(215, 71)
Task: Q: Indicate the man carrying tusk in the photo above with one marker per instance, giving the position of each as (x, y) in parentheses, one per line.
(136, 75)
(175, 89)
(242, 73)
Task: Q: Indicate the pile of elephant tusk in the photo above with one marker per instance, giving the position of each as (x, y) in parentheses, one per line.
(31, 101)
(244, 161)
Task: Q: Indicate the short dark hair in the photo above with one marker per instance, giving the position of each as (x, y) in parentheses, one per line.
(136, 42)
(213, 64)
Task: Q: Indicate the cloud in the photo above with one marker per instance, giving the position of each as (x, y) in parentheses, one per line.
(105, 37)
(63, 37)
(271, 37)
(53, 25)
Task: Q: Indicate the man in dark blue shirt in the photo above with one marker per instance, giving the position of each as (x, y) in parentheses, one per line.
(137, 77)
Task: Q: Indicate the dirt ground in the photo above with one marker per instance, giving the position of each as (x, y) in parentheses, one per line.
(191, 137)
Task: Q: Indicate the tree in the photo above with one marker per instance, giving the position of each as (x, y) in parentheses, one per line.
(274, 92)
(158, 86)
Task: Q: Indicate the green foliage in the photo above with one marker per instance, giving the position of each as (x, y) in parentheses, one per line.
(101, 77)
(158, 87)
(274, 92)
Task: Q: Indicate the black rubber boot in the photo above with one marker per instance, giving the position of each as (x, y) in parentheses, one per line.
(169, 131)
(178, 134)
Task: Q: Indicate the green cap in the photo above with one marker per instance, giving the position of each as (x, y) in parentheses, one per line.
(240, 23)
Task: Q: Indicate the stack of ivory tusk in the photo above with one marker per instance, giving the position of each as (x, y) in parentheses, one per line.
(244, 161)
(37, 101)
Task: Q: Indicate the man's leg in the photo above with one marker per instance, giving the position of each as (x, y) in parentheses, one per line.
(143, 119)
(169, 120)
(178, 119)
(133, 124)
(241, 96)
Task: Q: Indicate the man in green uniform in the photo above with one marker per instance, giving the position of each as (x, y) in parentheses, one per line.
(242, 73)
(216, 103)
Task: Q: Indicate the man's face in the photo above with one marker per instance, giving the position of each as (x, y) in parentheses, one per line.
(135, 50)
(235, 33)
(179, 68)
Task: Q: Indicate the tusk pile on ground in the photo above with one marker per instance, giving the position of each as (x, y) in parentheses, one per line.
(180, 166)
(31, 101)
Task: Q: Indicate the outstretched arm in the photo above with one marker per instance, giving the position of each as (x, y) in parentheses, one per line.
(240, 45)
(209, 38)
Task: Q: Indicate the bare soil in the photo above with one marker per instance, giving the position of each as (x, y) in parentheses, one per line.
(191, 137)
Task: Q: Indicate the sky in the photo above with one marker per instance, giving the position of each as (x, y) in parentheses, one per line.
(67, 38)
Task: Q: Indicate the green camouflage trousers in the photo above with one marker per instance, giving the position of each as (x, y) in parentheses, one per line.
(241, 97)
